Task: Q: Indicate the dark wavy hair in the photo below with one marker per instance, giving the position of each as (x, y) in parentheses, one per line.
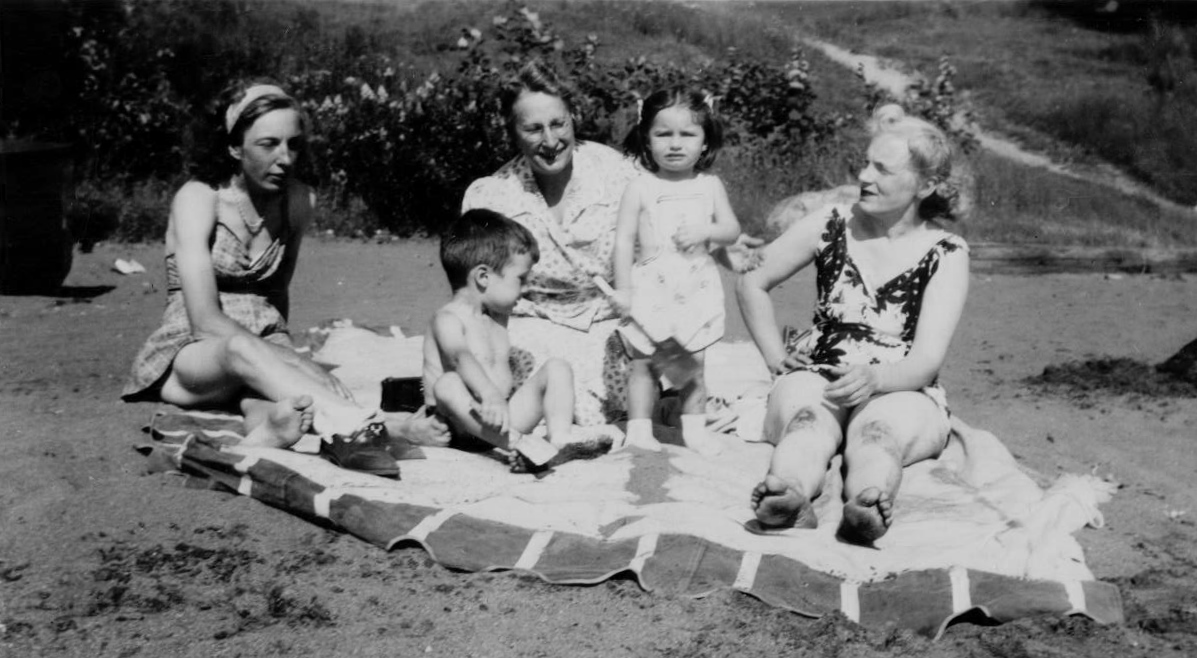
(208, 140)
(535, 77)
(483, 237)
(637, 141)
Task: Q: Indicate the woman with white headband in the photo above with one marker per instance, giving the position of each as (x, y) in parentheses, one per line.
(232, 243)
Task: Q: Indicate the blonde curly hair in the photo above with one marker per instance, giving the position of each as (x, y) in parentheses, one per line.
(935, 158)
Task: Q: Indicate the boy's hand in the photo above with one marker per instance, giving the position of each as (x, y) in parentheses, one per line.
(689, 236)
(492, 413)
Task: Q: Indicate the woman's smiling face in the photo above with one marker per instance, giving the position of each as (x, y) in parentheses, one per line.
(544, 132)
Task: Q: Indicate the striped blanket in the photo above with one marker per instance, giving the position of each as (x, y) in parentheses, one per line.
(972, 530)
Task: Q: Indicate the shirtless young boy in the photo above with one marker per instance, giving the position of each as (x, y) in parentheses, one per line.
(467, 375)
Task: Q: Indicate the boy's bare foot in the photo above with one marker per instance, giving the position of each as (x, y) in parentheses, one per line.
(866, 517)
(417, 428)
(779, 505)
(280, 424)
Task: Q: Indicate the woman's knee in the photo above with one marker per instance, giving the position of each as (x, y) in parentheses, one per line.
(242, 353)
(910, 426)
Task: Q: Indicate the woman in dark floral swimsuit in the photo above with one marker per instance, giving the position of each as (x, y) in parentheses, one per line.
(863, 379)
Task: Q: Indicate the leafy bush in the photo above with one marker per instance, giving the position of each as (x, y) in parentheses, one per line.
(394, 148)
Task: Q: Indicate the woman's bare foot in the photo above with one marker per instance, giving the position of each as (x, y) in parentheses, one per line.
(417, 428)
(866, 517)
(278, 424)
(780, 505)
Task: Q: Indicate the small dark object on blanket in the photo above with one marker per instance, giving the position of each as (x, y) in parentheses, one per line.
(402, 394)
(365, 451)
(669, 358)
(589, 449)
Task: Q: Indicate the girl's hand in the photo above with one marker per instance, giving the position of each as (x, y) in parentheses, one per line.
(790, 363)
(689, 236)
(853, 386)
(621, 301)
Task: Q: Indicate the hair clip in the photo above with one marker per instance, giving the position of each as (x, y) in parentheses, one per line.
(639, 109)
(709, 100)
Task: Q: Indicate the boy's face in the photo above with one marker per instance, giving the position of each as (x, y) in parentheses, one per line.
(504, 288)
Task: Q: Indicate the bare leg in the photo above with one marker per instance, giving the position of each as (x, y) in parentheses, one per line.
(276, 424)
(806, 431)
(218, 370)
(547, 394)
(642, 397)
(694, 415)
(884, 435)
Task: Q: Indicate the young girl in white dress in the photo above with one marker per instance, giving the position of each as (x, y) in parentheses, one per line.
(670, 219)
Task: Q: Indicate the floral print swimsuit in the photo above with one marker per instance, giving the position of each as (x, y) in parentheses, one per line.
(855, 325)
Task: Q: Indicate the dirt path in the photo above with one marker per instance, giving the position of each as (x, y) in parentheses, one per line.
(98, 559)
(891, 76)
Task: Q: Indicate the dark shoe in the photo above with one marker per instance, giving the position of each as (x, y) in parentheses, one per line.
(365, 450)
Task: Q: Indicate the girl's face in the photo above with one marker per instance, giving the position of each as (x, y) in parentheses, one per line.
(270, 149)
(544, 132)
(676, 141)
(889, 185)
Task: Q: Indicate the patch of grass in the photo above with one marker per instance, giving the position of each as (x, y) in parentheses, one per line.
(1021, 205)
(1125, 95)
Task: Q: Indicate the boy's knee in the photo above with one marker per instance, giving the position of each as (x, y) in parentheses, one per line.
(446, 388)
(558, 369)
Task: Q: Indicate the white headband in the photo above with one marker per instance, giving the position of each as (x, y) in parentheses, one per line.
(252, 94)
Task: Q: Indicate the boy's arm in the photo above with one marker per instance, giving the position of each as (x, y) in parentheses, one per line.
(449, 333)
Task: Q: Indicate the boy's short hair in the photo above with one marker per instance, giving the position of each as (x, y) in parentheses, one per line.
(483, 237)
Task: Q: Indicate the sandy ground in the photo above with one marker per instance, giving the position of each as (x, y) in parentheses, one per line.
(99, 559)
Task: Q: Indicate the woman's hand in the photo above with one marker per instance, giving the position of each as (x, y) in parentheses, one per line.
(743, 255)
(853, 385)
(312, 369)
(789, 363)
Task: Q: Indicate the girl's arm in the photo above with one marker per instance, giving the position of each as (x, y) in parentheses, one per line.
(782, 258)
(192, 221)
(726, 228)
(626, 228)
(942, 306)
